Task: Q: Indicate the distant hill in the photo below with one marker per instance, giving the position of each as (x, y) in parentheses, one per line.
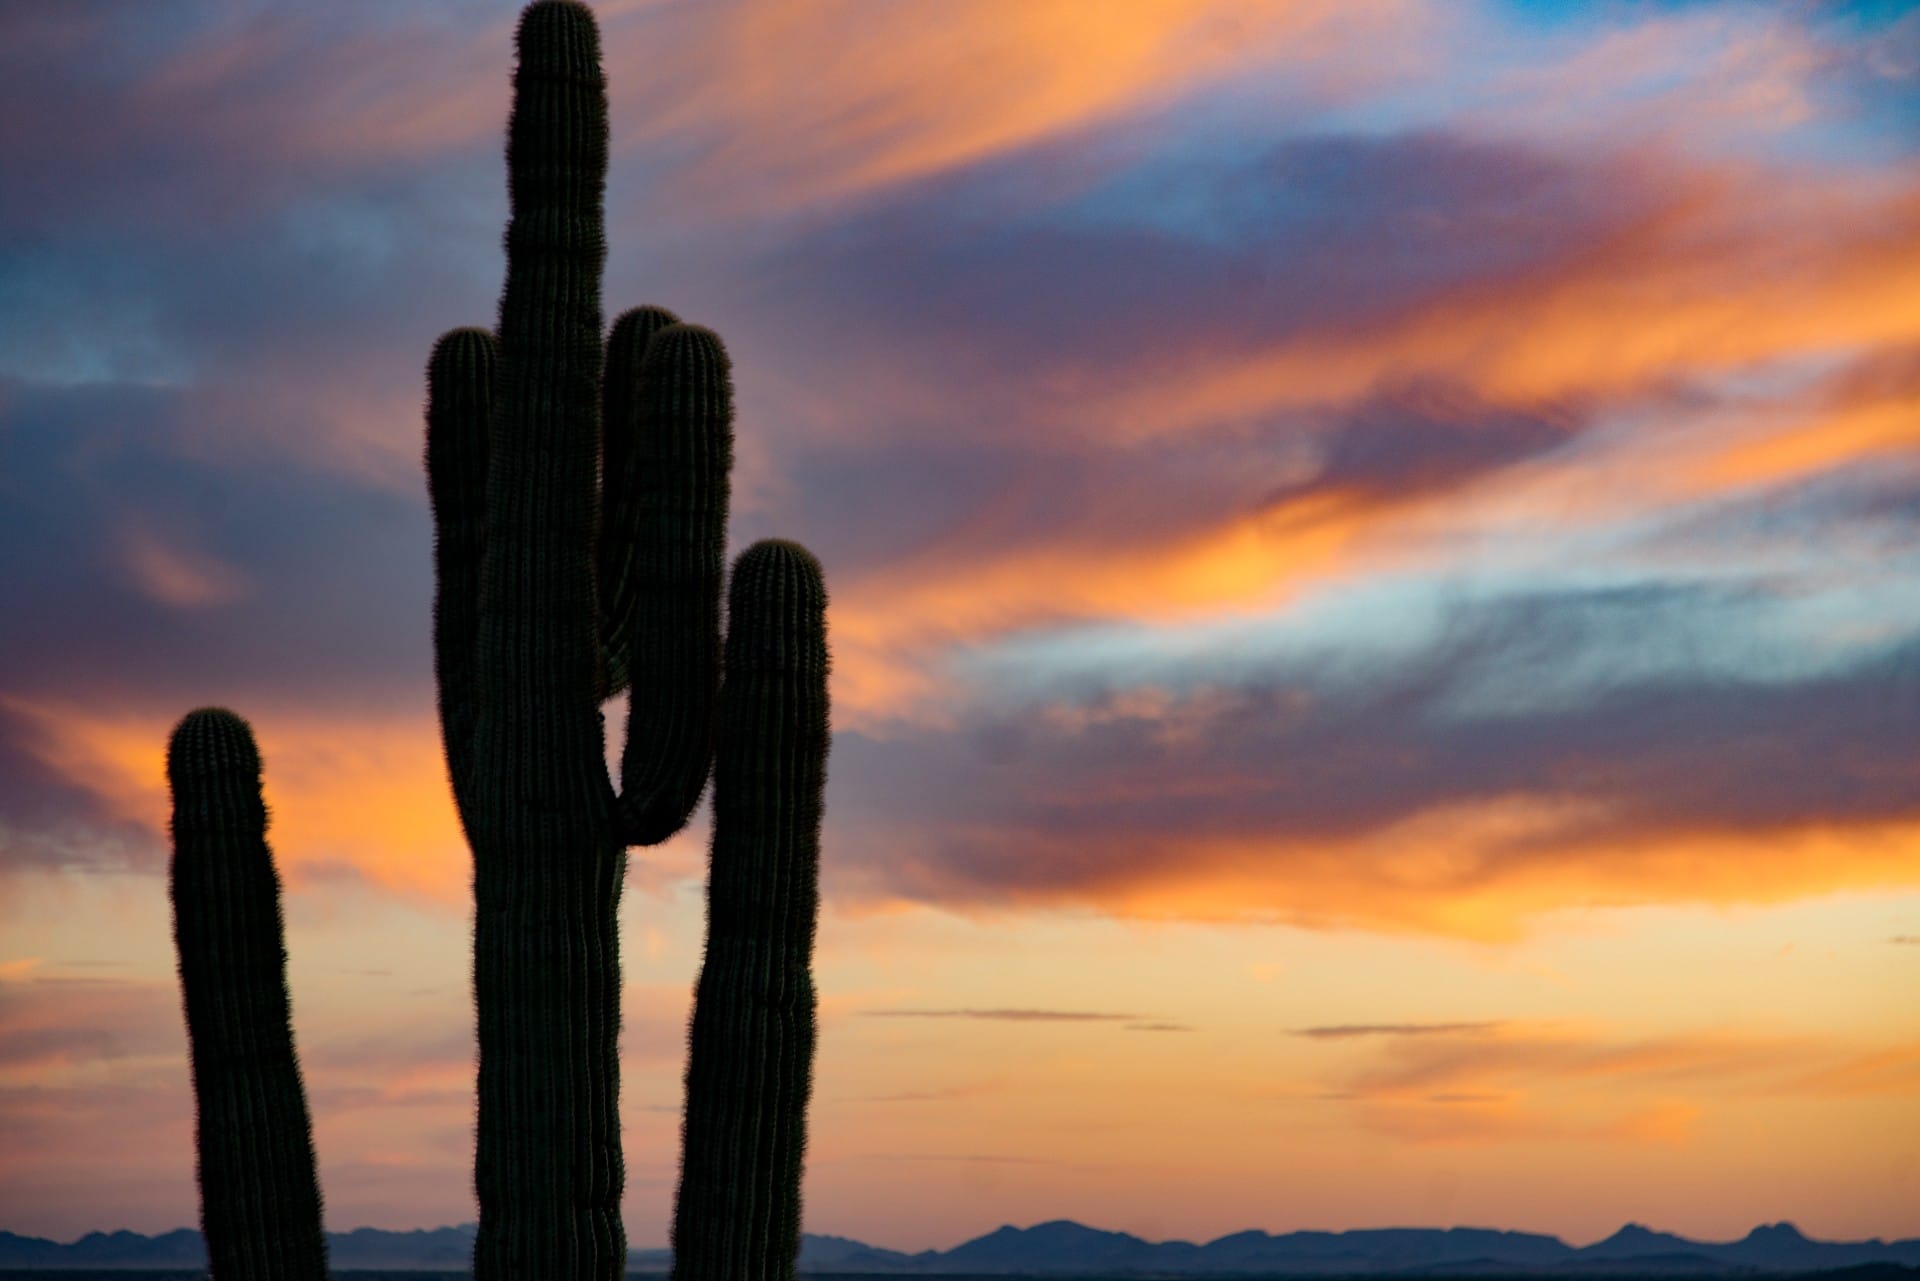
(1063, 1248)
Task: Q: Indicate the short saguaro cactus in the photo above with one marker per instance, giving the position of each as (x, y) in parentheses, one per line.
(260, 1201)
(579, 492)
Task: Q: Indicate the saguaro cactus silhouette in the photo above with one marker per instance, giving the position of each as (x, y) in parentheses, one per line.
(749, 1069)
(260, 1202)
(580, 503)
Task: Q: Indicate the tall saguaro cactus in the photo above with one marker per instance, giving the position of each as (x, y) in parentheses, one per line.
(260, 1202)
(580, 503)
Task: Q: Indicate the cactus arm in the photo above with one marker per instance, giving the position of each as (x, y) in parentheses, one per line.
(750, 1061)
(260, 1198)
(622, 426)
(677, 550)
(459, 419)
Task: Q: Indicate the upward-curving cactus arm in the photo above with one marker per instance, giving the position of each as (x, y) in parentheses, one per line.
(675, 551)
(459, 418)
(259, 1198)
(622, 427)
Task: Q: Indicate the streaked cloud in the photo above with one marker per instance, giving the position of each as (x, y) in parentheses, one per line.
(1547, 1054)
(967, 1158)
(1529, 1082)
(1409, 794)
(1347, 1031)
(1008, 1015)
(798, 106)
(945, 1095)
(52, 1024)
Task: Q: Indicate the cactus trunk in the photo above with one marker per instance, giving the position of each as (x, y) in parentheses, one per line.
(260, 1200)
(547, 866)
(750, 1064)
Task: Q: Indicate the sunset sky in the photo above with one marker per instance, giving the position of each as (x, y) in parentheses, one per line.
(1375, 552)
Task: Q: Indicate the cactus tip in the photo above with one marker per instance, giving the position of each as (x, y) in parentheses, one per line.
(681, 341)
(644, 320)
(460, 349)
(780, 562)
(212, 740)
(559, 38)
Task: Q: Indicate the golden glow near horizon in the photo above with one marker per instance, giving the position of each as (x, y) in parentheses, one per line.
(1374, 574)
(1654, 1065)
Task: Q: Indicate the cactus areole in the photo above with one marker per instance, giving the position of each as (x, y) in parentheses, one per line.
(579, 494)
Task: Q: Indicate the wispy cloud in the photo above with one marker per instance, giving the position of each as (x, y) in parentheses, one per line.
(792, 108)
(1008, 1015)
(1349, 1031)
(1528, 1081)
(48, 1025)
(967, 1158)
(1451, 792)
(947, 1094)
(1894, 1072)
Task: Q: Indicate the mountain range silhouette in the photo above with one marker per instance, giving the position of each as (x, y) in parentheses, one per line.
(1065, 1248)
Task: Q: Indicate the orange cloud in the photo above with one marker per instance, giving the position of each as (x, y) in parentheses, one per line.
(1522, 1082)
(1869, 410)
(888, 624)
(1485, 1118)
(819, 101)
(1892, 1071)
(176, 575)
(362, 793)
(1521, 1055)
(1666, 1122)
(1736, 268)
(1490, 871)
(1734, 273)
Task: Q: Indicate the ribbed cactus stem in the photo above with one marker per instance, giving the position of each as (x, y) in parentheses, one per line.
(459, 420)
(539, 628)
(621, 481)
(260, 1199)
(548, 867)
(750, 1063)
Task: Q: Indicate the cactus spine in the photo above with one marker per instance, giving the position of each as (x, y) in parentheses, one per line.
(260, 1202)
(580, 504)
